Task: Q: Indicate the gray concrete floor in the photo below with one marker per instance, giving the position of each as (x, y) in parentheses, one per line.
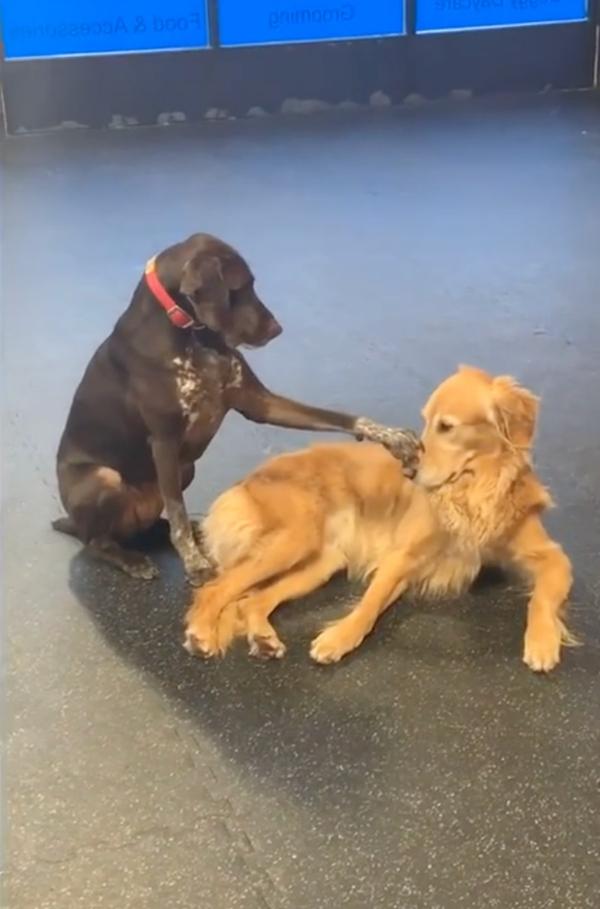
(429, 771)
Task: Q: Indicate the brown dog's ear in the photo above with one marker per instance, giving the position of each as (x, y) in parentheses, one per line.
(515, 411)
(236, 273)
(201, 272)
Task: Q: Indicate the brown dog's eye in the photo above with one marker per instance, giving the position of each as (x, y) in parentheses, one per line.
(444, 426)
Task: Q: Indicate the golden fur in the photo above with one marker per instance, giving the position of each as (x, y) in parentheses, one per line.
(302, 517)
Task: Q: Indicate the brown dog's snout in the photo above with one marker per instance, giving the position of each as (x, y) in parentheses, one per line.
(274, 329)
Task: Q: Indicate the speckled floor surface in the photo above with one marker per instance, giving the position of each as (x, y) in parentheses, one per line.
(429, 771)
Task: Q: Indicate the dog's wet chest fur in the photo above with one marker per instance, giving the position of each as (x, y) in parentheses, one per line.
(202, 378)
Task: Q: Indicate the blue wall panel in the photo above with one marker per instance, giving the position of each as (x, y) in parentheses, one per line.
(52, 28)
(289, 21)
(458, 15)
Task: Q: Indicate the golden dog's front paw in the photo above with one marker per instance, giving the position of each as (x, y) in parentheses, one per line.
(542, 646)
(336, 641)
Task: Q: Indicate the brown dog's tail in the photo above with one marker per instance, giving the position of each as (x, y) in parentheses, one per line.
(65, 525)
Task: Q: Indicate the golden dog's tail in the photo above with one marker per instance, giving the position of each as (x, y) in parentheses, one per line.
(230, 531)
(231, 528)
(567, 638)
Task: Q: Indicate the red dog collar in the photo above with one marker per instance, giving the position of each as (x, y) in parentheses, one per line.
(177, 316)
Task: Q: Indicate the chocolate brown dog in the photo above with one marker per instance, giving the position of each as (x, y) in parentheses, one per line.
(155, 393)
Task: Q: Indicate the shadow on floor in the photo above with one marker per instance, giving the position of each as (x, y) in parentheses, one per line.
(235, 699)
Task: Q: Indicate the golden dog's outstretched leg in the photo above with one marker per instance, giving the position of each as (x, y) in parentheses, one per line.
(277, 552)
(394, 573)
(389, 582)
(256, 607)
(550, 570)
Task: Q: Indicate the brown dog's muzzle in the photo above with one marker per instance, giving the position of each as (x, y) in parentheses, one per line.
(273, 329)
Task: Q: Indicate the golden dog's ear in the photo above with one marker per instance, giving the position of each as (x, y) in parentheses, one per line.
(515, 411)
(475, 371)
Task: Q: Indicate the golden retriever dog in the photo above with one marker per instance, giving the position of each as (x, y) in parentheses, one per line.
(302, 517)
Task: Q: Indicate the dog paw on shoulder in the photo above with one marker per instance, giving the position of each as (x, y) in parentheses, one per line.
(403, 444)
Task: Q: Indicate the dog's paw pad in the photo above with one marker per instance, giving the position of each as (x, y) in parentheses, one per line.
(264, 647)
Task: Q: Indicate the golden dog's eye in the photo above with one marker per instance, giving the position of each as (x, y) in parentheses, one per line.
(444, 426)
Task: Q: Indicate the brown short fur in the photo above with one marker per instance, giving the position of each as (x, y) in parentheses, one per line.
(302, 517)
(154, 395)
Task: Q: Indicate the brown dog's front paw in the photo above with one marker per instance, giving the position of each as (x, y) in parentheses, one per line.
(141, 568)
(197, 525)
(197, 568)
(403, 444)
(542, 646)
(197, 533)
(197, 577)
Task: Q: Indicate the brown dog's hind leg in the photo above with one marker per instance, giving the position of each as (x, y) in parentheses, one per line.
(103, 511)
(65, 525)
